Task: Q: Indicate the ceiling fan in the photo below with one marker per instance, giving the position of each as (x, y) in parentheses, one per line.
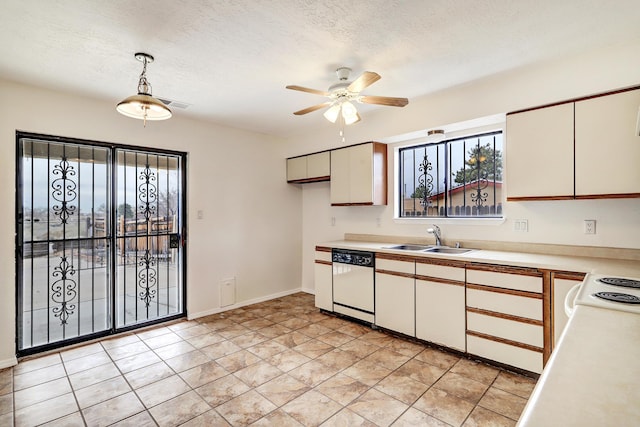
(342, 94)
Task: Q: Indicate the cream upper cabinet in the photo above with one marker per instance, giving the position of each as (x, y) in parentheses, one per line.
(310, 168)
(358, 175)
(539, 153)
(607, 145)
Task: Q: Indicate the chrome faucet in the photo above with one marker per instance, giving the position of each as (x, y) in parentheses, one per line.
(437, 233)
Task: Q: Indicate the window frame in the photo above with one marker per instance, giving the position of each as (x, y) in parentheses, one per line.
(499, 202)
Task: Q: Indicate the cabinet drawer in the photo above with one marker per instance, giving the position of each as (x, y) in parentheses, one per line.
(323, 256)
(395, 266)
(505, 353)
(505, 328)
(505, 303)
(505, 280)
(440, 271)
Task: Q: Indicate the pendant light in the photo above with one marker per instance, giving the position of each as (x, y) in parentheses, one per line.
(143, 106)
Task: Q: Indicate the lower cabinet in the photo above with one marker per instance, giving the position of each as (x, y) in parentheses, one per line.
(395, 294)
(440, 304)
(323, 275)
(505, 316)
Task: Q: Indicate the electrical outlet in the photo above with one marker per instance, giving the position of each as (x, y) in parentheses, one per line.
(521, 225)
(589, 226)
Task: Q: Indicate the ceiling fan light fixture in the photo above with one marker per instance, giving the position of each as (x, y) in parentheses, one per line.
(144, 106)
(332, 113)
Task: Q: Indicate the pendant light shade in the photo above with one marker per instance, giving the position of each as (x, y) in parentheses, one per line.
(345, 109)
(143, 106)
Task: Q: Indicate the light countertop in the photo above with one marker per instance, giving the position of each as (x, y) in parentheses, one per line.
(593, 376)
(617, 267)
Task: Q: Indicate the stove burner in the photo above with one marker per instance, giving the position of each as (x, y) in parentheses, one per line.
(618, 281)
(618, 297)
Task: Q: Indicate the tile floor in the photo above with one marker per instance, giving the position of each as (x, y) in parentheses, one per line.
(278, 363)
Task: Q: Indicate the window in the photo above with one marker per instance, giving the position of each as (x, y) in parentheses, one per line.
(456, 178)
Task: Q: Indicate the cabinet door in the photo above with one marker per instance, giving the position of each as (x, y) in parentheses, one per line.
(323, 275)
(340, 176)
(560, 288)
(395, 303)
(296, 168)
(361, 173)
(318, 165)
(440, 313)
(607, 146)
(539, 153)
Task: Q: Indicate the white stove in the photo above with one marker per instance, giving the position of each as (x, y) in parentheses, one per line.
(606, 291)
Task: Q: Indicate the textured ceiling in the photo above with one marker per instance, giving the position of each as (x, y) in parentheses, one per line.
(231, 59)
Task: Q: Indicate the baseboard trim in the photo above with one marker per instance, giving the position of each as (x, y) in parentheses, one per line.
(217, 310)
(7, 363)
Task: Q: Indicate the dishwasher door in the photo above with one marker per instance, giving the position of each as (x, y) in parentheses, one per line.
(353, 287)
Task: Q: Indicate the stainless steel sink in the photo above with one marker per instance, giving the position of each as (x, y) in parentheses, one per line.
(408, 247)
(447, 250)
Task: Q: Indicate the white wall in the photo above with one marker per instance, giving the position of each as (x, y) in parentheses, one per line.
(252, 222)
(556, 222)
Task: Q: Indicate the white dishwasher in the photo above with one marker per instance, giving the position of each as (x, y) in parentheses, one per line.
(353, 283)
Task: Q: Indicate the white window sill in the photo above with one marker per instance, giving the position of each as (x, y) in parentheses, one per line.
(452, 221)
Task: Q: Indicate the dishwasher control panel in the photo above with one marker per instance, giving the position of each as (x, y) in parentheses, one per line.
(345, 256)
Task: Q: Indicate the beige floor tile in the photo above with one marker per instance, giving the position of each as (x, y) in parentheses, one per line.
(39, 376)
(378, 407)
(278, 317)
(337, 359)
(413, 417)
(6, 381)
(220, 349)
(274, 331)
(347, 418)
(461, 386)
(246, 408)
(112, 410)
(153, 332)
(314, 330)
(282, 389)
(149, 374)
(127, 350)
(503, 403)
(179, 409)
(137, 361)
(249, 339)
(218, 324)
(294, 323)
(292, 339)
(358, 348)
(256, 324)
(100, 392)
(86, 362)
(193, 331)
(267, 349)
(94, 375)
(353, 329)
(205, 339)
(117, 342)
(367, 372)
(313, 348)
(203, 374)
(162, 390)
(437, 358)
(208, 419)
(312, 408)
(377, 338)
(445, 407)
(481, 417)
(406, 348)
(46, 411)
(71, 420)
(175, 349)
(475, 370)
(82, 351)
(187, 361)
(6, 420)
(6, 404)
(258, 373)
(312, 373)
(277, 418)
(37, 363)
(162, 340)
(388, 358)
(421, 371)
(342, 388)
(238, 360)
(515, 384)
(233, 331)
(336, 323)
(142, 419)
(335, 338)
(222, 390)
(288, 360)
(401, 387)
(40, 393)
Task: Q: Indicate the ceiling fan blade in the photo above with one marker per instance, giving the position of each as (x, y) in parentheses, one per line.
(384, 100)
(306, 89)
(313, 108)
(366, 79)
